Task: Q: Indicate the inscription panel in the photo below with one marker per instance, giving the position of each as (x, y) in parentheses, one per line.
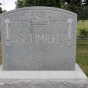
(38, 38)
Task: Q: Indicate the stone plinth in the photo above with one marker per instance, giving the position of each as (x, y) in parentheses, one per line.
(43, 79)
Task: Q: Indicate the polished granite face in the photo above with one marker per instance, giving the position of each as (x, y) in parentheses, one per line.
(38, 39)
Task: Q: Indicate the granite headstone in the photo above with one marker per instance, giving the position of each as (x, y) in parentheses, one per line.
(38, 38)
(38, 49)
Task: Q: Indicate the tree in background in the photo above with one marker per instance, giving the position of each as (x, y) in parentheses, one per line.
(74, 6)
(19, 4)
(85, 2)
(51, 3)
(26, 3)
(78, 6)
(84, 33)
(0, 8)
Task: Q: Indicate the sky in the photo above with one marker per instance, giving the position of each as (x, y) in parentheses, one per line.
(8, 4)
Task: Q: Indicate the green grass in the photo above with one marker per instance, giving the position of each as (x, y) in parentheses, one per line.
(82, 55)
(81, 25)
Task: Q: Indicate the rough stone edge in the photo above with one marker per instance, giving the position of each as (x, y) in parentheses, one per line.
(74, 75)
(41, 8)
(44, 83)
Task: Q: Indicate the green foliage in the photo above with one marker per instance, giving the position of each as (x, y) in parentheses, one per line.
(4, 11)
(0, 10)
(74, 6)
(51, 3)
(19, 4)
(84, 13)
(83, 33)
(78, 6)
(26, 3)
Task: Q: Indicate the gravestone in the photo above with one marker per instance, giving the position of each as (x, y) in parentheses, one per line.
(39, 49)
(38, 39)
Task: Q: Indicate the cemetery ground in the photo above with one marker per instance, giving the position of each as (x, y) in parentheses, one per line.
(82, 25)
(81, 55)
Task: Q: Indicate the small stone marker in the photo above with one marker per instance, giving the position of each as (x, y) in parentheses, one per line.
(38, 38)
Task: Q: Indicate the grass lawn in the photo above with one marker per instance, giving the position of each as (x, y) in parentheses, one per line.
(81, 25)
(81, 55)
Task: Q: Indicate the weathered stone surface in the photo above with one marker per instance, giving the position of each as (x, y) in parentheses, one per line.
(77, 74)
(38, 38)
(44, 84)
(43, 79)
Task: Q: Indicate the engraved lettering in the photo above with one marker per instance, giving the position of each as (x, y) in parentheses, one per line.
(57, 37)
(50, 38)
(44, 38)
(20, 38)
(26, 38)
(36, 37)
(41, 37)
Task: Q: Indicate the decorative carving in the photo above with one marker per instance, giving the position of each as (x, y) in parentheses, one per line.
(7, 29)
(69, 22)
(38, 18)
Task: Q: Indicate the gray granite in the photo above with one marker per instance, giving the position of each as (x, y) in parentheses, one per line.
(44, 84)
(43, 79)
(38, 38)
(77, 74)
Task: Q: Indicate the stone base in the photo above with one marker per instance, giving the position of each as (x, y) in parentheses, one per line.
(43, 79)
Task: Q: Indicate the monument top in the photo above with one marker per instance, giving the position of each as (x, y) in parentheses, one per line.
(38, 38)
